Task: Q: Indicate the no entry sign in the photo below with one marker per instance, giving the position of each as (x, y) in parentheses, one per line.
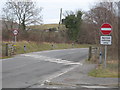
(106, 29)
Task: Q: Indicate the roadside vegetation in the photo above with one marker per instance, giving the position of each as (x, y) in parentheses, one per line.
(111, 71)
(34, 47)
(47, 27)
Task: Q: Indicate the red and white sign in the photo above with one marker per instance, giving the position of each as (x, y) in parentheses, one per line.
(106, 29)
(15, 32)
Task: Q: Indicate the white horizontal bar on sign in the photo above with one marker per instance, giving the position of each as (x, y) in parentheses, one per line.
(105, 28)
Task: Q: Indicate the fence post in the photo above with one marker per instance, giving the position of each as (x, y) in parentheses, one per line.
(90, 53)
(6, 50)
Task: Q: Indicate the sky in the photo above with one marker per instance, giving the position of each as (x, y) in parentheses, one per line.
(51, 8)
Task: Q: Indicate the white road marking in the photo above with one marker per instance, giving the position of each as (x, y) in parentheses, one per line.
(43, 52)
(54, 60)
(94, 86)
(58, 74)
(72, 49)
(5, 59)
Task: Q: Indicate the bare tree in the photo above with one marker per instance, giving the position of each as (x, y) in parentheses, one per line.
(24, 13)
(104, 12)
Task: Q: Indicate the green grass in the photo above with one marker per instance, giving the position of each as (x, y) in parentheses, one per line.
(46, 26)
(103, 73)
(111, 71)
(31, 47)
(5, 57)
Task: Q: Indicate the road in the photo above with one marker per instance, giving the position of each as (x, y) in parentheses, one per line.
(26, 70)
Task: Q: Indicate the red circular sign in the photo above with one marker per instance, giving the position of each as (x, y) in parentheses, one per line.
(15, 32)
(106, 29)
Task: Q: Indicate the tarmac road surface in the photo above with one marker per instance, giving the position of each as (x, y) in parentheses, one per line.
(26, 70)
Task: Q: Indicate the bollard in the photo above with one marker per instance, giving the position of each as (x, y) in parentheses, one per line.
(52, 46)
(6, 51)
(90, 53)
(100, 58)
(72, 45)
(25, 48)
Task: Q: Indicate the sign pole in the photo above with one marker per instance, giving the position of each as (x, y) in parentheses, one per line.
(15, 39)
(15, 32)
(106, 29)
(100, 56)
(105, 56)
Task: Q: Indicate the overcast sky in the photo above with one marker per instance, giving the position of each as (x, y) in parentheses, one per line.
(51, 8)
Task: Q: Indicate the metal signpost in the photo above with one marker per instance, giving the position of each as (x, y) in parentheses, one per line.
(106, 39)
(15, 32)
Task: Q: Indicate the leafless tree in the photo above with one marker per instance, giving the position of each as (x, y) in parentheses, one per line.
(104, 12)
(25, 13)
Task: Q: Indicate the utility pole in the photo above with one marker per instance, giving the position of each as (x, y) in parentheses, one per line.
(60, 18)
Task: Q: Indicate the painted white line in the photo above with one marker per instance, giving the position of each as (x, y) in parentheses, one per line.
(58, 74)
(5, 59)
(94, 87)
(60, 50)
(63, 72)
(54, 60)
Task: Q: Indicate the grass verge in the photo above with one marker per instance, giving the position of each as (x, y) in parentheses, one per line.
(110, 72)
(5, 57)
(34, 47)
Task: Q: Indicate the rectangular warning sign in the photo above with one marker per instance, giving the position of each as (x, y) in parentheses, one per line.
(106, 40)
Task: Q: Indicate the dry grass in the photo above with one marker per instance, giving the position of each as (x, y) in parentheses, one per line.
(110, 71)
(112, 61)
(46, 26)
(34, 46)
